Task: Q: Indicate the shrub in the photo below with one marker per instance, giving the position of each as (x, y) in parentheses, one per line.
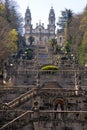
(49, 67)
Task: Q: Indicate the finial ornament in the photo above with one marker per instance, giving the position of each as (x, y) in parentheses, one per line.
(40, 22)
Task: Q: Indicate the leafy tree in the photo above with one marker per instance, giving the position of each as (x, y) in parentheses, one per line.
(69, 16)
(8, 37)
(8, 40)
(77, 36)
(9, 26)
(65, 24)
(83, 22)
(73, 34)
(12, 45)
(54, 44)
(66, 17)
(13, 16)
(31, 39)
(82, 48)
(29, 54)
(82, 54)
(1, 7)
(4, 37)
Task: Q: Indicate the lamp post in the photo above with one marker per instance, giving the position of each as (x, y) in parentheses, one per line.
(4, 76)
(85, 66)
(9, 84)
(11, 65)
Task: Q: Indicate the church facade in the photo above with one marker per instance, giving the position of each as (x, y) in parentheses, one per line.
(39, 33)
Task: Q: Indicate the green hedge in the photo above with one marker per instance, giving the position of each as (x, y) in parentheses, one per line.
(49, 67)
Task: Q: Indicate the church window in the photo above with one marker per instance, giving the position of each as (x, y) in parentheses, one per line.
(27, 21)
(27, 14)
(51, 21)
(51, 15)
(27, 31)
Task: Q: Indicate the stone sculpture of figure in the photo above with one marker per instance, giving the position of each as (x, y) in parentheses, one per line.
(59, 109)
(4, 76)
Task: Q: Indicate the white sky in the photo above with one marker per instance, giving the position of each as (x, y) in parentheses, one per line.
(40, 8)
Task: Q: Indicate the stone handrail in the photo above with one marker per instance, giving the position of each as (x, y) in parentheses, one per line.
(22, 98)
(29, 116)
(8, 125)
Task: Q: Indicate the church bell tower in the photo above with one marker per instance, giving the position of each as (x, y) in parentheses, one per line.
(28, 25)
(51, 25)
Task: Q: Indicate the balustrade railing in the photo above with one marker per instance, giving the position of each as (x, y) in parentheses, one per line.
(47, 116)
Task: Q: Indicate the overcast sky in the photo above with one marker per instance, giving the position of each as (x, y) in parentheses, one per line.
(40, 8)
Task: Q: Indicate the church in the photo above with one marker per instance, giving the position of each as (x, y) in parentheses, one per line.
(39, 33)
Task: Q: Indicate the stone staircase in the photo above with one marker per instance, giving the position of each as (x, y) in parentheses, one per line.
(18, 122)
(14, 104)
(32, 117)
(43, 55)
(22, 98)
